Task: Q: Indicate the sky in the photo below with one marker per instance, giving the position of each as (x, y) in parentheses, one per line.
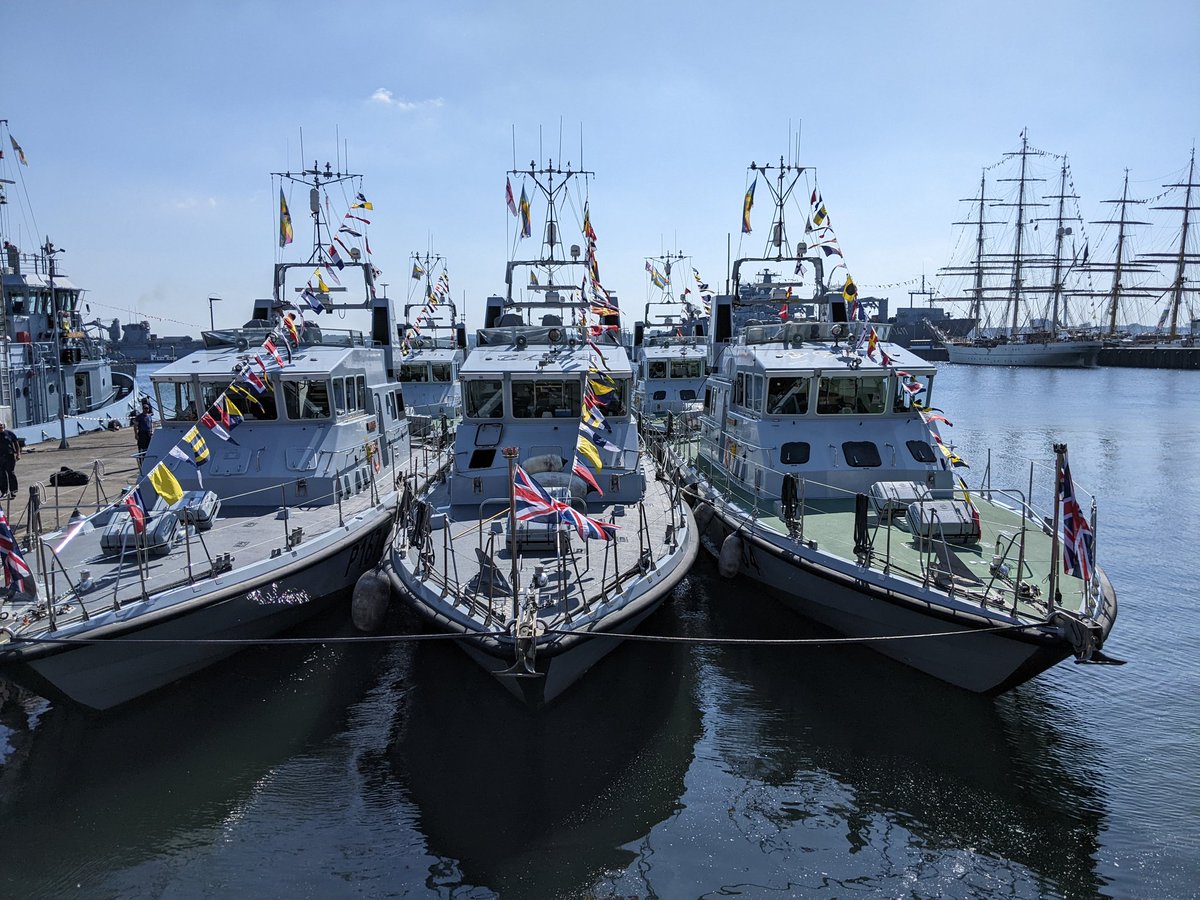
(151, 128)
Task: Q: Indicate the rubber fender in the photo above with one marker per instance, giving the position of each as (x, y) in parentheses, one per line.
(577, 485)
(729, 561)
(546, 462)
(372, 594)
(704, 514)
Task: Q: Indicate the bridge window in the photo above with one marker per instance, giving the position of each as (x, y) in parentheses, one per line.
(547, 399)
(443, 373)
(788, 396)
(484, 398)
(686, 368)
(306, 399)
(864, 395)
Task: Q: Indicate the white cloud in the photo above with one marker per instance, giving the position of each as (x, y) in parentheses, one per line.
(386, 98)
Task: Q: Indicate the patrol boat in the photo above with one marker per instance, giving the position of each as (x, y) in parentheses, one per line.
(433, 343)
(818, 470)
(268, 490)
(670, 350)
(551, 536)
(56, 380)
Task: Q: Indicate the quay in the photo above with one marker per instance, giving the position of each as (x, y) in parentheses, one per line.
(108, 458)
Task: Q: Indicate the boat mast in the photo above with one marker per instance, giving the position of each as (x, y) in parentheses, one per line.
(1015, 290)
(977, 302)
(1181, 258)
(1059, 233)
(1016, 287)
(1114, 294)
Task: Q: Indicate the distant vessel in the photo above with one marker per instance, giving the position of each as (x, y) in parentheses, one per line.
(433, 344)
(56, 380)
(925, 325)
(135, 342)
(670, 352)
(1035, 333)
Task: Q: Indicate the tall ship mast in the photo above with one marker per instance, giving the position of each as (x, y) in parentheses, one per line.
(1033, 334)
(1181, 288)
(1124, 269)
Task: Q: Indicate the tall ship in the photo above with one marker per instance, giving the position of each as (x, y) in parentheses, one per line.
(818, 471)
(266, 492)
(1019, 294)
(433, 344)
(550, 537)
(56, 379)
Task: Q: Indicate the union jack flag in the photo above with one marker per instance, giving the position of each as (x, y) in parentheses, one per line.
(1076, 533)
(534, 502)
(15, 567)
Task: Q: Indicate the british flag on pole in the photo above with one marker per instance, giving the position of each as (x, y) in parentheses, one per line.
(1076, 533)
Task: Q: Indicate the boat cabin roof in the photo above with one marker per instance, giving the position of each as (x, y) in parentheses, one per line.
(321, 352)
(560, 359)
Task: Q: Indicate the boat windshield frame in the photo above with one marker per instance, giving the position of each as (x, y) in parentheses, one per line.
(793, 333)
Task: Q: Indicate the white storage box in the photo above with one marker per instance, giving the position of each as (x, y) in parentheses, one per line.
(892, 498)
(198, 508)
(955, 520)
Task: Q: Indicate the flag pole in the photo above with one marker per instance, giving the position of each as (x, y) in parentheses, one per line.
(510, 454)
(1060, 451)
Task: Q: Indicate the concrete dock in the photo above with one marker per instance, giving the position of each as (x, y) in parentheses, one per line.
(106, 457)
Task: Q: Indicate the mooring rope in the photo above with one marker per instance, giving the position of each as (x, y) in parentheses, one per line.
(648, 638)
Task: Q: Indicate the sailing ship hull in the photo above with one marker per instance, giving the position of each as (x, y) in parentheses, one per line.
(559, 662)
(1062, 354)
(867, 604)
(113, 665)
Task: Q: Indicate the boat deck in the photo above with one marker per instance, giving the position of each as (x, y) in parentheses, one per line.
(83, 579)
(963, 570)
(465, 561)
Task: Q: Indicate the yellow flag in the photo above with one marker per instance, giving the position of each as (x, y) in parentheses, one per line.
(600, 387)
(321, 285)
(588, 449)
(165, 484)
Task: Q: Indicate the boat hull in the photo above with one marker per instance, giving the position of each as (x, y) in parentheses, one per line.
(1063, 354)
(965, 655)
(118, 408)
(561, 660)
(113, 669)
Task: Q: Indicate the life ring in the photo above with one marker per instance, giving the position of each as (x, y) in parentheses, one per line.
(545, 462)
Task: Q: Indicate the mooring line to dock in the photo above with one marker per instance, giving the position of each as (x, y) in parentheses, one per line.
(647, 638)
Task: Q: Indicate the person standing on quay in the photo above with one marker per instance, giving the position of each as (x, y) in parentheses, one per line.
(143, 427)
(10, 452)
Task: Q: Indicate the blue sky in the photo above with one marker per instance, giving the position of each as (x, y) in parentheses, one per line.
(150, 128)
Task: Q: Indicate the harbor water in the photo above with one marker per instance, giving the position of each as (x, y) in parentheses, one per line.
(675, 770)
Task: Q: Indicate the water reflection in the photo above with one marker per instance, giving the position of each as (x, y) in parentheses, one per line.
(855, 764)
(542, 804)
(84, 799)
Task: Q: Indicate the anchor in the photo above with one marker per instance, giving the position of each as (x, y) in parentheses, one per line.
(1084, 639)
(526, 628)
